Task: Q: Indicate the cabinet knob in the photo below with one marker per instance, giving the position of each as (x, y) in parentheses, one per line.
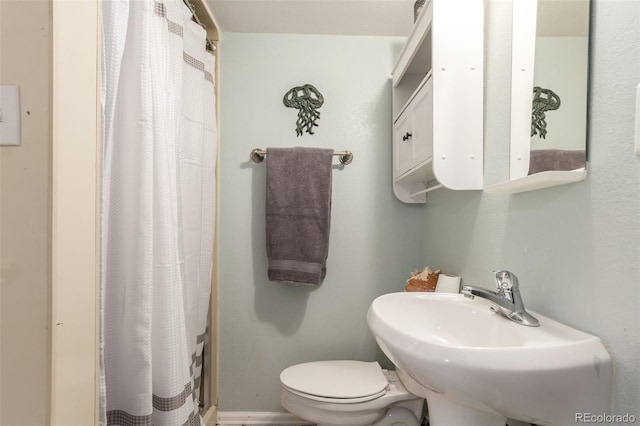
(406, 136)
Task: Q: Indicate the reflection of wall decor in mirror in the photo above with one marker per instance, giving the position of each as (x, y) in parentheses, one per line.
(417, 9)
(549, 50)
(543, 100)
(306, 99)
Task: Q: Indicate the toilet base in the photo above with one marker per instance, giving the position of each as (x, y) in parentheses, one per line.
(398, 416)
(401, 412)
(394, 416)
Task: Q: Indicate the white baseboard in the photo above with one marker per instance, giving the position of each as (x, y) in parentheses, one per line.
(227, 418)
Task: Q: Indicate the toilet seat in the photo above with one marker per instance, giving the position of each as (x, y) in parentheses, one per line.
(338, 382)
(336, 400)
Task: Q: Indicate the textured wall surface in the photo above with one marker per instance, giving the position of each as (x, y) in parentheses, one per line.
(575, 248)
(24, 217)
(375, 240)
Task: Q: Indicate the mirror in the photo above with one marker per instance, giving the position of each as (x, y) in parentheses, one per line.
(549, 87)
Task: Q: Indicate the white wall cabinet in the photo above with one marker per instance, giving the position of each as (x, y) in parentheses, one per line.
(438, 102)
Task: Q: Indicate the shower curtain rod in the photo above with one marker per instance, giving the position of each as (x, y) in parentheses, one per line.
(257, 155)
(210, 46)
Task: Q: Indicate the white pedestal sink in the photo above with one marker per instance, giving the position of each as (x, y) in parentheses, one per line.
(476, 367)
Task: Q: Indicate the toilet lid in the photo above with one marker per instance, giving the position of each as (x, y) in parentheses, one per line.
(336, 379)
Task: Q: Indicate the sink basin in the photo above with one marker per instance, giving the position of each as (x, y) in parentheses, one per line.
(477, 367)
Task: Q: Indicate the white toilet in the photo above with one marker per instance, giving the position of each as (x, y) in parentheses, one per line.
(353, 393)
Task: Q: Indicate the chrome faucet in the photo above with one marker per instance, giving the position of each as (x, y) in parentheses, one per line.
(507, 300)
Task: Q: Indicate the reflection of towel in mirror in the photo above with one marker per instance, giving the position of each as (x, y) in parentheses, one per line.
(542, 160)
(298, 213)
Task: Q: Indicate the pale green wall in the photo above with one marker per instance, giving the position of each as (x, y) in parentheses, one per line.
(375, 239)
(575, 248)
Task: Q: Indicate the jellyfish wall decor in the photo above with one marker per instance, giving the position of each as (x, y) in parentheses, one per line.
(307, 99)
(544, 100)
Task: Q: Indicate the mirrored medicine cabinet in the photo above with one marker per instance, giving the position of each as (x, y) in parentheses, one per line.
(549, 83)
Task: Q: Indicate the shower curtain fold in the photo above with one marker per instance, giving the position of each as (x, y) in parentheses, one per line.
(158, 211)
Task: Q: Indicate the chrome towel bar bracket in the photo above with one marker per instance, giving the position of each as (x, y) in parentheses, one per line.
(257, 155)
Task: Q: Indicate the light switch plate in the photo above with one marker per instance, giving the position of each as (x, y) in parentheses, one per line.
(9, 115)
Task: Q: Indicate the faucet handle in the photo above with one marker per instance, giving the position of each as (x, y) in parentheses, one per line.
(506, 280)
(507, 284)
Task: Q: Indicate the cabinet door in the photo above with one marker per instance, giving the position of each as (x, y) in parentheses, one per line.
(402, 143)
(413, 132)
(422, 111)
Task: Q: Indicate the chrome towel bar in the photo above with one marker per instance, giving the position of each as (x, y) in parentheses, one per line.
(257, 155)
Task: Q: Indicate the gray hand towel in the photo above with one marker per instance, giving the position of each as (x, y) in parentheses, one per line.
(298, 213)
(542, 160)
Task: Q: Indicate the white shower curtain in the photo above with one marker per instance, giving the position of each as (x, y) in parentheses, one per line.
(158, 211)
